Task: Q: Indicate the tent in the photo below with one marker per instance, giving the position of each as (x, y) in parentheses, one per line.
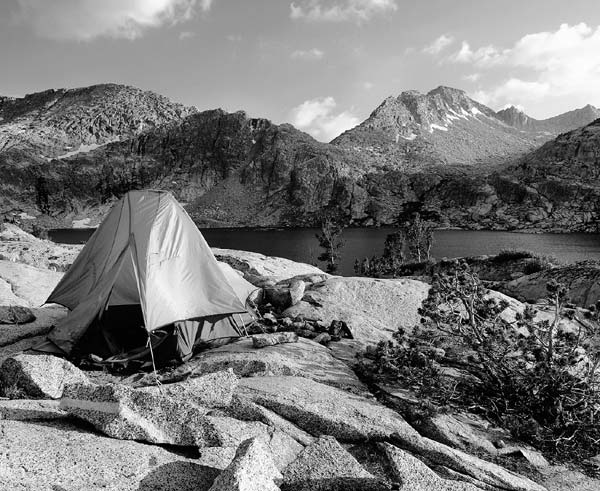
(147, 274)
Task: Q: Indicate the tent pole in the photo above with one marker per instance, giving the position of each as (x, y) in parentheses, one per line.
(158, 384)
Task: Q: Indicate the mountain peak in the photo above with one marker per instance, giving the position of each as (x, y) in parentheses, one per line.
(447, 91)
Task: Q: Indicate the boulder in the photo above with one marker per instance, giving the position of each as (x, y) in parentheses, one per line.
(30, 285)
(134, 414)
(323, 410)
(252, 469)
(254, 265)
(414, 475)
(326, 466)
(304, 359)
(373, 309)
(46, 319)
(16, 314)
(59, 455)
(212, 390)
(28, 410)
(39, 376)
(264, 340)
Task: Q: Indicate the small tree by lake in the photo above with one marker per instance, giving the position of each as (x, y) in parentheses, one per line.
(330, 239)
(419, 238)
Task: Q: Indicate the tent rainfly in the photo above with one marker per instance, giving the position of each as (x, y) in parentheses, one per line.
(145, 273)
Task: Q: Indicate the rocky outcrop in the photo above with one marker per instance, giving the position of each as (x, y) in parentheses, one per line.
(373, 309)
(323, 410)
(303, 358)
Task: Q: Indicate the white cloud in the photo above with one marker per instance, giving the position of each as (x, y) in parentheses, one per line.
(233, 38)
(472, 77)
(340, 10)
(317, 117)
(307, 55)
(85, 20)
(553, 64)
(186, 35)
(439, 45)
(368, 85)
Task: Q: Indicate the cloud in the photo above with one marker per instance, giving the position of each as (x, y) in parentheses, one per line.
(472, 77)
(186, 35)
(85, 20)
(368, 85)
(307, 55)
(233, 38)
(438, 45)
(340, 10)
(317, 117)
(550, 64)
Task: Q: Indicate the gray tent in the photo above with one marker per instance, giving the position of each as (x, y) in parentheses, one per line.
(147, 269)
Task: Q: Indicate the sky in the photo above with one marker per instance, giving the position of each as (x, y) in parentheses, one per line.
(322, 65)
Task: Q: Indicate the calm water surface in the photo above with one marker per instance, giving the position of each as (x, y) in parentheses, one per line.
(301, 244)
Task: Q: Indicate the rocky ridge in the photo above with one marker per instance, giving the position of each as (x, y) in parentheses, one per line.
(440, 153)
(554, 125)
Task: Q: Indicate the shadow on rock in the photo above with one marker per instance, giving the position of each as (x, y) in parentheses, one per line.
(179, 476)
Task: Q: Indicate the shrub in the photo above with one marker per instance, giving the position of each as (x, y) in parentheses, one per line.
(534, 378)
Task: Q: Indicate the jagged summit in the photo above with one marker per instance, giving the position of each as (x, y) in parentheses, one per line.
(443, 125)
(551, 126)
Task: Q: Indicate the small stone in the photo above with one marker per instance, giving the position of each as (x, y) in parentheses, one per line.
(296, 292)
(340, 328)
(269, 318)
(322, 338)
(286, 322)
(264, 340)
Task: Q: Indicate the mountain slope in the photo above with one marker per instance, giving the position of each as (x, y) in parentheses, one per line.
(443, 126)
(56, 122)
(553, 126)
(232, 170)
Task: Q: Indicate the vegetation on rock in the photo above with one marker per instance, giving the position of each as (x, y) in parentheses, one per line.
(535, 377)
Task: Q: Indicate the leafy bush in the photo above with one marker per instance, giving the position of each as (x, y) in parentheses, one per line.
(533, 376)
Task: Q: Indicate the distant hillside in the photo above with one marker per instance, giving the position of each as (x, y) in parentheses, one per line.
(57, 122)
(552, 126)
(68, 155)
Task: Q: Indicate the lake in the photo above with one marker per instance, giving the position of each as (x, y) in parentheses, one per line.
(301, 244)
